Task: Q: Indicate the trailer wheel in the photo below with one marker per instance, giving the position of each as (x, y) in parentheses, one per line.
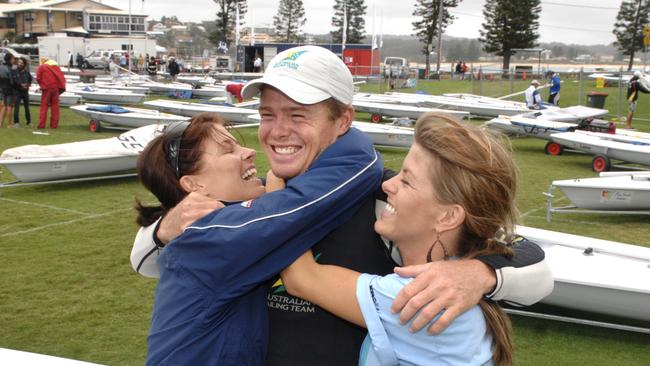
(376, 117)
(553, 148)
(94, 126)
(601, 164)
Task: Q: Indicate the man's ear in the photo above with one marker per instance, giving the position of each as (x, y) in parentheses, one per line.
(451, 218)
(189, 183)
(344, 122)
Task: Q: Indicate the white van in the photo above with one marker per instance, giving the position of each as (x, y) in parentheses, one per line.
(396, 67)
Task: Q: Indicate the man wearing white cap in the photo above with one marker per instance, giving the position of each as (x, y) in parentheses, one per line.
(306, 97)
(533, 98)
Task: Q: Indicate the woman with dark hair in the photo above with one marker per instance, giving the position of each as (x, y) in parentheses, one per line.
(453, 198)
(210, 303)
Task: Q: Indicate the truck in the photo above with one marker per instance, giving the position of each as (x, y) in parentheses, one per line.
(56, 47)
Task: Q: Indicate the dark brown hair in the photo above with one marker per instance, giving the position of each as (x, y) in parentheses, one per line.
(476, 171)
(335, 108)
(158, 175)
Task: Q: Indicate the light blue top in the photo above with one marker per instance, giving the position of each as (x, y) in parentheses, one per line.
(465, 342)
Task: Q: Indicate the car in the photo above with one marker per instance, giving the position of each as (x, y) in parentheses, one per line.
(5, 50)
(99, 58)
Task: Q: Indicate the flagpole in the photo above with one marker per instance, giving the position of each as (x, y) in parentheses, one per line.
(373, 41)
(130, 46)
(345, 26)
(237, 25)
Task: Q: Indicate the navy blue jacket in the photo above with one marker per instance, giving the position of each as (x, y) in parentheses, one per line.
(210, 303)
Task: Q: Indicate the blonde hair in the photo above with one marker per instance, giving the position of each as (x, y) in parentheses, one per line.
(476, 171)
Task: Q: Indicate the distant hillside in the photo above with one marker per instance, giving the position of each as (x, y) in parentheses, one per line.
(470, 49)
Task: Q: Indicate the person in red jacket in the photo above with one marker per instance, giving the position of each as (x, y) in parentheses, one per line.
(234, 90)
(52, 84)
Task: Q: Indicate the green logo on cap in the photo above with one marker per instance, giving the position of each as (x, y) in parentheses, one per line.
(288, 60)
(293, 55)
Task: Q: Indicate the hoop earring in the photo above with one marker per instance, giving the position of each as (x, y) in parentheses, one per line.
(444, 250)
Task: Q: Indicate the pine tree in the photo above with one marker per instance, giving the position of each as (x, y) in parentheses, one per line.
(289, 20)
(509, 25)
(356, 24)
(427, 27)
(226, 19)
(628, 29)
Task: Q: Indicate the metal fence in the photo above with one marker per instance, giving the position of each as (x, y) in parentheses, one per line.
(578, 87)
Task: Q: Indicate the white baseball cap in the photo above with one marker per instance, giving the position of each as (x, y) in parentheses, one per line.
(306, 74)
(637, 73)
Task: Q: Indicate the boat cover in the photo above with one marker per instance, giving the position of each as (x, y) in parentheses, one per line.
(108, 109)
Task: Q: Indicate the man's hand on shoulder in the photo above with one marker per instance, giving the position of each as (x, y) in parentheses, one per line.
(190, 209)
(453, 286)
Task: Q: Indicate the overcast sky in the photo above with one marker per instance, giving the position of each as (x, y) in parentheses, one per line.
(568, 21)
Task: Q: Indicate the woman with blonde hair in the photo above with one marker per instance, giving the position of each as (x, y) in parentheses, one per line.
(453, 198)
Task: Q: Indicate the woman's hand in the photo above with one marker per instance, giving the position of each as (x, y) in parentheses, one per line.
(273, 183)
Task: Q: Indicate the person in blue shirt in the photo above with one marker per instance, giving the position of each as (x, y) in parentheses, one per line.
(453, 198)
(554, 91)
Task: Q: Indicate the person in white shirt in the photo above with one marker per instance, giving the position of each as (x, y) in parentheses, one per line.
(114, 69)
(533, 98)
(257, 64)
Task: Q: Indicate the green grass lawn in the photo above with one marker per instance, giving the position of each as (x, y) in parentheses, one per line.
(67, 288)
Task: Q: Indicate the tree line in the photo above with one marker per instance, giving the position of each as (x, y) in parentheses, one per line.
(508, 25)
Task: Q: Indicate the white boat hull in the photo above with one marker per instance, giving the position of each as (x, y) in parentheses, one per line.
(608, 193)
(386, 135)
(138, 117)
(111, 97)
(34, 163)
(164, 88)
(595, 275)
(611, 146)
(568, 114)
(475, 105)
(209, 92)
(55, 169)
(395, 110)
(516, 125)
(66, 99)
(189, 109)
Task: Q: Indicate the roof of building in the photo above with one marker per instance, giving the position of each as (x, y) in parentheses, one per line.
(79, 30)
(52, 5)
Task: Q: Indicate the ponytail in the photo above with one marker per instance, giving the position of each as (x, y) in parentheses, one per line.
(147, 215)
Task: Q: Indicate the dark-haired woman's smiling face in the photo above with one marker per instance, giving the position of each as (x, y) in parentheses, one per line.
(226, 169)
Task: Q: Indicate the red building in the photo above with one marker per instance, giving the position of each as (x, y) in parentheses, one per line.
(361, 59)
